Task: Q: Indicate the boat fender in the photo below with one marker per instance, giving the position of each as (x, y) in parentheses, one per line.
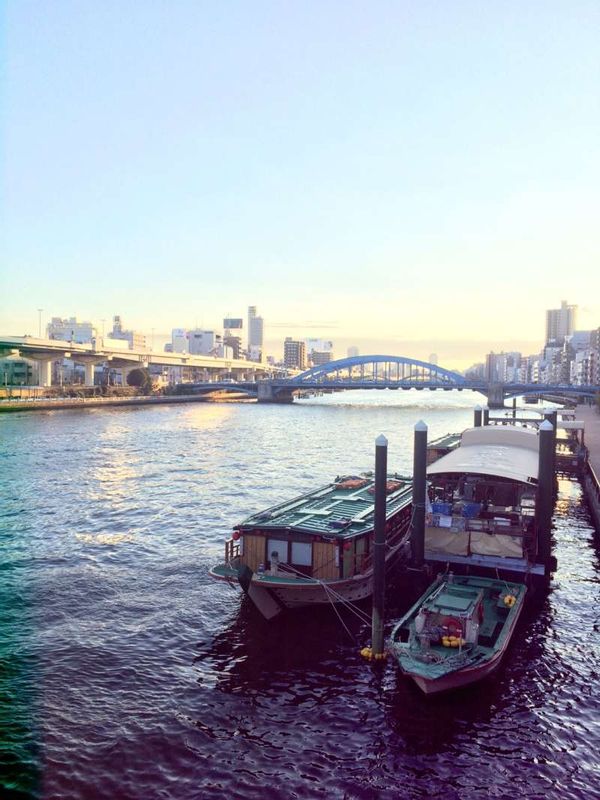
(236, 535)
(369, 655)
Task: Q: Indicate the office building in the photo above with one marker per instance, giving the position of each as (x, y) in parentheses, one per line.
(70, 330)
(353, 352)
(502, 367)
(232, 335)
(560, 323)
(294, 354)
(204, 343)
(319, 351)
(136, 340)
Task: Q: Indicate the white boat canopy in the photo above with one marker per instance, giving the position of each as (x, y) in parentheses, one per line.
(502, 451)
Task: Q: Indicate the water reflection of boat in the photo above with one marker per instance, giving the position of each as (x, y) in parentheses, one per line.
(316, 548)
(457, 632)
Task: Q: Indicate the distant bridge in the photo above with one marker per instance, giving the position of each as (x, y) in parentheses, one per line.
(390, 372)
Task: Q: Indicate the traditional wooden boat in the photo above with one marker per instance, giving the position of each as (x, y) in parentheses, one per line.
(318, 547)
(457, 632)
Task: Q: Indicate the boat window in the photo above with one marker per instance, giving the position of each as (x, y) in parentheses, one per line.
(302, 554)
(280, 546)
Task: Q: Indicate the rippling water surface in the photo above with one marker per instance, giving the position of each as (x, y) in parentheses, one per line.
(127, 673)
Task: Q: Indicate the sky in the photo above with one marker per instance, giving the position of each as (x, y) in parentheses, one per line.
(409, 177)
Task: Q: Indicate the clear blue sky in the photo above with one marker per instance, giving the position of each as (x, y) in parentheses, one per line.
(390, 172)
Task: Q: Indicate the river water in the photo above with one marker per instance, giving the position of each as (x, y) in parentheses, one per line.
(126, 673)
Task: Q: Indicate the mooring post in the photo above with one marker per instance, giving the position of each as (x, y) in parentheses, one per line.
(514, 408)
(418, 495)
(378, 618)
(545, 498)
(486, 415)
(551, 416)
(477, 417)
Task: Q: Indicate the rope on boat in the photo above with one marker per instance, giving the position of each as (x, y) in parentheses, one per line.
(331, 593)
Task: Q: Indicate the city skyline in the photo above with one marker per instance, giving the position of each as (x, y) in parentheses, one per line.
(458, 355)
(406, 179)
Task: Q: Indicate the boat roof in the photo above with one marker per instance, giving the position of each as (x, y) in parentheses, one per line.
(334, 510)
(454, 599)
(497, 450)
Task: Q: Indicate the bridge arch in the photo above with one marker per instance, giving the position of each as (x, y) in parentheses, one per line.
(380, 368)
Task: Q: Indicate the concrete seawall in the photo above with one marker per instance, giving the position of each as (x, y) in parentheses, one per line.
(44, 404)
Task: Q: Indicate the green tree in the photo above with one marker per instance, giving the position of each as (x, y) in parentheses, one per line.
(140, 377)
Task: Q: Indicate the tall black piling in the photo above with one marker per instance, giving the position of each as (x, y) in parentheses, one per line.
(477, 417)
(551, 416)
(514, 408)
(545, 495)
(486, 415)
(417, 539)
(378, 618)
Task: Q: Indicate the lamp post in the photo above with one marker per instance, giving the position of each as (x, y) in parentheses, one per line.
(40, 322)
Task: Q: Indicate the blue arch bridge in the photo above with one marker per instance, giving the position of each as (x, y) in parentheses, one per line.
(387, 372)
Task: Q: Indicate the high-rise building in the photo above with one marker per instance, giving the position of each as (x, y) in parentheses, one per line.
(255, 329)
(294, 354)
(433, 358)
(560, 322)
(353, 352)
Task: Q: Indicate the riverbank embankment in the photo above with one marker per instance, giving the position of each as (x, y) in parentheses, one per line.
(591, 474)
(60, 403)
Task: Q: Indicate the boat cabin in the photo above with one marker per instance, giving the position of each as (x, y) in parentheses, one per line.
(326, 534)
(482, 498)
(451, 616)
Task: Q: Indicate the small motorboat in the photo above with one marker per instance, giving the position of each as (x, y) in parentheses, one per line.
(457, 632)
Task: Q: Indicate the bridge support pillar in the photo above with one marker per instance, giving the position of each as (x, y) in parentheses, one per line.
(45, 372)
(267, 393)
(89, 372)
(495, 395)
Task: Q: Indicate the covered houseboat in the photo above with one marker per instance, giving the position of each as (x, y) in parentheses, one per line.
(482, 503)
(318, 547)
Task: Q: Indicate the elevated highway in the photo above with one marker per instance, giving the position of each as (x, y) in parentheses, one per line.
(45, 351)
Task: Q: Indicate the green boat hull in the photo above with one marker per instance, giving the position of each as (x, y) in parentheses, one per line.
(458, 632)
